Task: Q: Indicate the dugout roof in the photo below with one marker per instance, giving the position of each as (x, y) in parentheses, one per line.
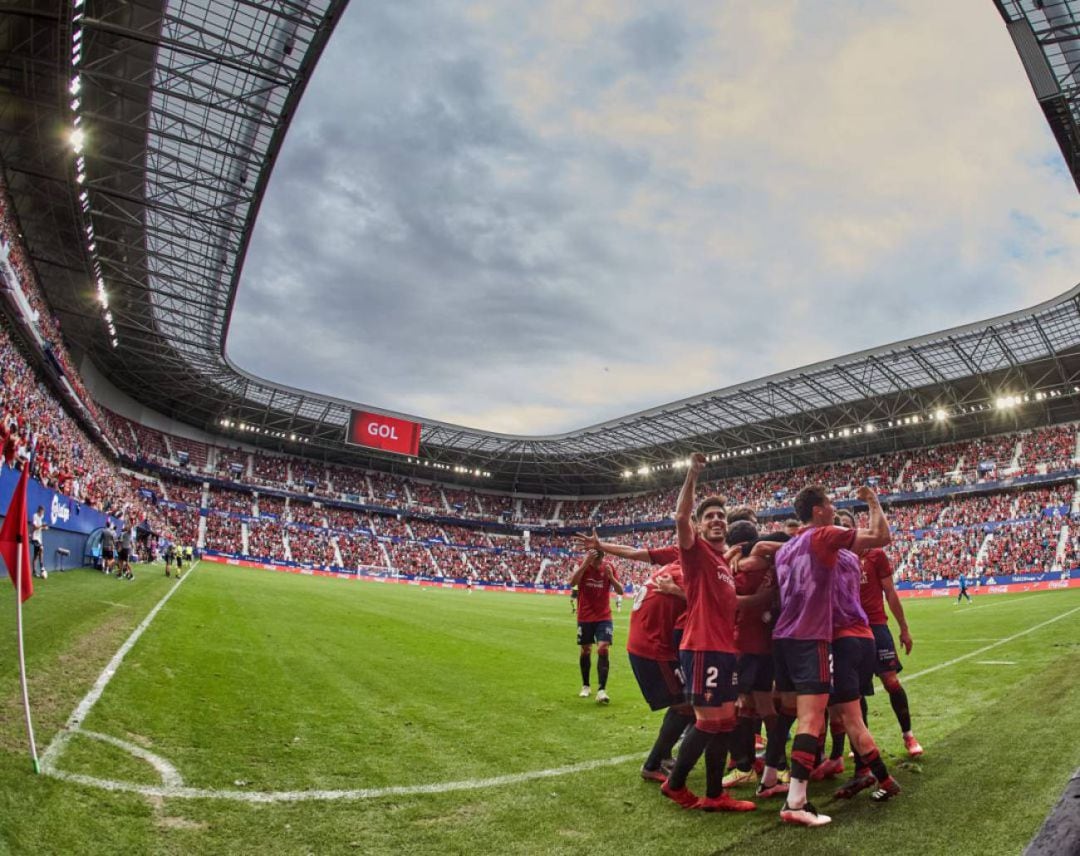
(184, 106)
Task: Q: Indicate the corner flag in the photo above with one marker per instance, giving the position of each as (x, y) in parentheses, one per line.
(15, 540)
(15, 551)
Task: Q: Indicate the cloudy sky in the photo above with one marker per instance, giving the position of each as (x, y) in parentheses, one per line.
(529, 217)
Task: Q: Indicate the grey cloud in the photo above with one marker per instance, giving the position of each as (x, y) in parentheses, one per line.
(428, 237)
(655, 42)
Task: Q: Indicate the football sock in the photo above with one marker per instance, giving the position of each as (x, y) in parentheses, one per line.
(602, 664)
(873, 760)
(803, 748)
(899, 702)
(586, 666)
(715, 761)
(742, 743)
(671, 730)
(776, 739)
(836, 728)
(693, 744)
(796, 795)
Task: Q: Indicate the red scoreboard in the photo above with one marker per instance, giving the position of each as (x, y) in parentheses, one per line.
(384, 432)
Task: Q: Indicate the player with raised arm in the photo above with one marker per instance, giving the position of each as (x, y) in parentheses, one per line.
(595, 579)
(708, 652)
(876, 590)
(806, 572)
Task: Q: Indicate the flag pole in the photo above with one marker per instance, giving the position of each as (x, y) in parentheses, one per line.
(22, 655)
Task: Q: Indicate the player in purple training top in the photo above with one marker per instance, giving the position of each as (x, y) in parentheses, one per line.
(806, 573)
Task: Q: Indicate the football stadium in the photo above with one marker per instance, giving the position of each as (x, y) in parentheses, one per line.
(826, 604)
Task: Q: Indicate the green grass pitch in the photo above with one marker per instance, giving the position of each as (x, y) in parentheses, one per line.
(262, 683)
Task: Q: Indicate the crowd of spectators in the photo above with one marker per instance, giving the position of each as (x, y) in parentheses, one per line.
(391, 527)
(462, 502)
(266, 539)
(306, 513)
(424, 530)
(269, 470)
(346, 520)
(223, 533)
(304, 472)
(921, 515)
(494, 506)
(236, 501)
(196, 451)
(358, 551)
(1053, 501)
(426, 497)
(311, 546)
(227, 462)
(65, 459)
(974, 510)
(180, 491)
(346, 481)
(1054, 448)
(270, 506)
(1023, 548)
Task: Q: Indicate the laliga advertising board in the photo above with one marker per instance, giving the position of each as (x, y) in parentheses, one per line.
(384, 432)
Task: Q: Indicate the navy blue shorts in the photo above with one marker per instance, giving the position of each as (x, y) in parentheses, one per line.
(803, 666)
(594, 631)
(676, 638)
(887, 661)
(854, 659)
(710, 677)
(661, 681)
(755, 673)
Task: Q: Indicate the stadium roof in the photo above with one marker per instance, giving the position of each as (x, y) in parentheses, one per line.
(140, 237)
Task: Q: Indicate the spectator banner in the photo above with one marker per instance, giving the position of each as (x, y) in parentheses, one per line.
(384, 432)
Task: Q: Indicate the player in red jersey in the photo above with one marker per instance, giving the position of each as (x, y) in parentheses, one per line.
(659, 605)
(707, 652)
(877, 588)
(751, 560)
(656, 626)
(595, 579)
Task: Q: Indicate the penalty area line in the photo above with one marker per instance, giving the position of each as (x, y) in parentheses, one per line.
(175, 792)
(51, 754)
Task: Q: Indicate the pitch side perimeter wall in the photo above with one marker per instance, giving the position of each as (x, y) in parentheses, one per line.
(70, 522)
(938, 588)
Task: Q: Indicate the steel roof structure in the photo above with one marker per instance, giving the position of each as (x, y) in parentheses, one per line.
(179, 110)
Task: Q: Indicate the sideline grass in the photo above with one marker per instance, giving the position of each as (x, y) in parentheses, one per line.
(279, 682)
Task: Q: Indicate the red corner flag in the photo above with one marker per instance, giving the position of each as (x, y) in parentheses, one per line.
(15, 538)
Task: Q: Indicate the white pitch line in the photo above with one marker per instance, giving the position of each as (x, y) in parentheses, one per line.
(56, 747)
(170, 776)
(324, 796)
(985, 648)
